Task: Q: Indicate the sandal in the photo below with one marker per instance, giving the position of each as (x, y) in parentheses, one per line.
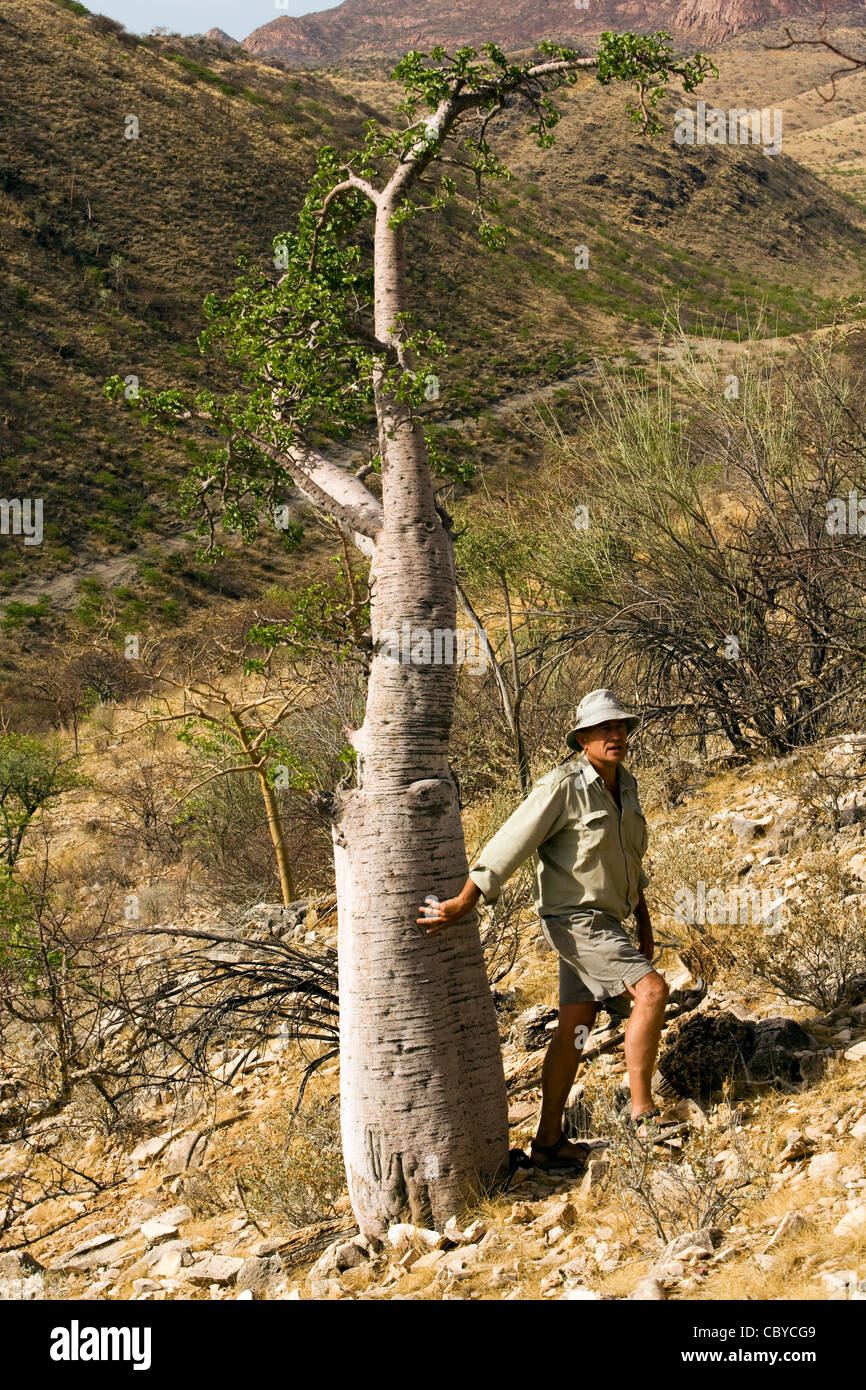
(519, 1168)
(549, 1151)
(655, 1132)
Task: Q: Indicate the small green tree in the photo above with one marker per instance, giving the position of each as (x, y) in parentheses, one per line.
(32, 774)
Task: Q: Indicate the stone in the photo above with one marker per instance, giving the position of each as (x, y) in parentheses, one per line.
(691, 1244)
(470, 1236)
(648, 1289)
(521, 1214)
(562, 1214)
(149, 1148)
(458, 1262)
(474, 1231)
(532, 1029)
(186, 1151)
(824, 1166)
(94, 1242)
(727, 1165)
(175, 1216)
(858, 1130)
(273, 919)
(401, 1234)
(257, 1273)
(777, 1041)
(853, 1223)
(855, 1053)
(93, 1253)
(797, 1147)
(746, 828)
(16, 1264)
(791, 1223)
(170, 1260)
(687, 1111)
(595, 1178)
(344, 1254)
(158, 1230)
(214, 1269)
(581, 1294)
(347, 1255)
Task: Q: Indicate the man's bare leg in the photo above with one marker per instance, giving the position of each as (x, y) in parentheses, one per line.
(558, 1072)
(642, 1036)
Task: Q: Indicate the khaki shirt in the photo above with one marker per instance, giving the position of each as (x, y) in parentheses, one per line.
(589, 855)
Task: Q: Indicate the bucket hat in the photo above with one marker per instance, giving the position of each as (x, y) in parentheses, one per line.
(595, 708)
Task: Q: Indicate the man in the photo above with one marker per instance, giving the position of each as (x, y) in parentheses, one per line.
(585, 821)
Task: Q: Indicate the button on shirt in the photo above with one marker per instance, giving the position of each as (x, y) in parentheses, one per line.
(588, 851)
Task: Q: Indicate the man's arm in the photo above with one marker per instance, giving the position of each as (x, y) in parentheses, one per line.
(540, 815)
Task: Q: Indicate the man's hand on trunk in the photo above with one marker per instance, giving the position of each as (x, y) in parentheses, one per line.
(438, 915)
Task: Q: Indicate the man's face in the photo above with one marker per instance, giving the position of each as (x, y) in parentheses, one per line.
(605, 743)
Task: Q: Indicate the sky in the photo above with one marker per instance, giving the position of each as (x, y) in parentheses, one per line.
(236, 17)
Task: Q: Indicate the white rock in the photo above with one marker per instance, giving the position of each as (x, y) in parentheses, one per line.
(176, 1216)
(594, 1178)
(791, 1223)
(158, 1230)
(701, 1241)
(648, 1289)
(727, 1164)
(858, 1131)
(94, 1243)
(580, 1294)
(824, 1166)
(149, 1148)
(214, 1269)
(170, 1262)
(855, 1053)
(401, 1234)
(853, 1223)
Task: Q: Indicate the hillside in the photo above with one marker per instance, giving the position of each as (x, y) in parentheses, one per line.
(371, 28)
(655, 394)
(194, 1194)
(93, 291)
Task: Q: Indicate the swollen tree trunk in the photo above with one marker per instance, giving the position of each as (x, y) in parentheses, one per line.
(423, 1099)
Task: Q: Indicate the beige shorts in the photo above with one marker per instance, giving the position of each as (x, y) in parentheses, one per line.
(597, 959)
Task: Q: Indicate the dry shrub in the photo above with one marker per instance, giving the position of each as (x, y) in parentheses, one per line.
(299, 1182)
(672, 1191)
(818, 956)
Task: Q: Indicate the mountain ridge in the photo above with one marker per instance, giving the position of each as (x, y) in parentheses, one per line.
(368, 28)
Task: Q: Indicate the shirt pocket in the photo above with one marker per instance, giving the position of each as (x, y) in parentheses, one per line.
(635, 829)
(593, 829)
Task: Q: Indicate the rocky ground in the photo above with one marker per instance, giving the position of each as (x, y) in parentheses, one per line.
(762, 1193)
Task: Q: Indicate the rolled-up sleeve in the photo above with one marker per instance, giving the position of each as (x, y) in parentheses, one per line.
(543, 812)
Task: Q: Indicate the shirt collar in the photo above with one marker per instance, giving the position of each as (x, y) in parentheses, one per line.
(591, 774)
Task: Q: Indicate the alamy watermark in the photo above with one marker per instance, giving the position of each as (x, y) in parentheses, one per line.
(77, 1343)
(439, 646)
(22, 516)
(713, 906)
(846, 516)
(710, 125)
